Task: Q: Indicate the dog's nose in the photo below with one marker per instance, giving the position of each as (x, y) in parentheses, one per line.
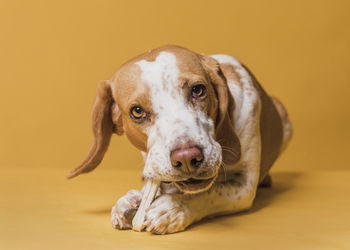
(187, 159)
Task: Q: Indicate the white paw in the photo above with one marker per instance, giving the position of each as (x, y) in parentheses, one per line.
(124, 210)
(168, 214)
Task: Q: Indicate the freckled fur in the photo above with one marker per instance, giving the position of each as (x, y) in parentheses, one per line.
(236, 107)
(162, 77)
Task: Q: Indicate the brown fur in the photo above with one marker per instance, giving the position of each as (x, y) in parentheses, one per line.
(114, 99)
(128, 89)
(102, 126)
(271, 130)
(225, 133)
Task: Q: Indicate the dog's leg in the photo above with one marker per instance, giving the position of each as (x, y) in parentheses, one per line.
(266, 182)
(171, 213)
(125, 209)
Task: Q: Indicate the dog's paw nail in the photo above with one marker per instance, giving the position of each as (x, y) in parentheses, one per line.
(147, 223)
(115, 225)
(149, 228)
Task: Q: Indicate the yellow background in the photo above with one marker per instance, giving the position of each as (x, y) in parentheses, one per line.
(53, 54)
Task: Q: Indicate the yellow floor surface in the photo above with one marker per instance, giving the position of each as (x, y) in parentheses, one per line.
(40, 209)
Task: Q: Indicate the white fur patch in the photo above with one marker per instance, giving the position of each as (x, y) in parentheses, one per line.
(245, 97)
(246, 123)
(287, 133)
(175, 119)
(175, 122)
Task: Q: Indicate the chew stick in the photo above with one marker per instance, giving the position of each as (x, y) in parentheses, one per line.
(150, 190)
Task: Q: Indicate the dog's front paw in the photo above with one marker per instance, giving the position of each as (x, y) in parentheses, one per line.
(169, 213)
(124, 210)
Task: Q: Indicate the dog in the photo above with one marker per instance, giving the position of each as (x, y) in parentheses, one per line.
(205, 127)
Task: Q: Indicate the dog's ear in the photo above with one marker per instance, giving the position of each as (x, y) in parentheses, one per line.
(225, 134)
(106, 119)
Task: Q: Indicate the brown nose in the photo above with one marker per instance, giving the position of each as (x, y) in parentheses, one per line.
(187, 159)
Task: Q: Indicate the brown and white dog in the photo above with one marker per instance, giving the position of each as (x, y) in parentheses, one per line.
(206, 129)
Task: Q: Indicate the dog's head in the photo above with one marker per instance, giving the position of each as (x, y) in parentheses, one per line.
(175, 106)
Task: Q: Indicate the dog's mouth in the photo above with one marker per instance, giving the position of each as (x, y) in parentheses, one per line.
(193, 185)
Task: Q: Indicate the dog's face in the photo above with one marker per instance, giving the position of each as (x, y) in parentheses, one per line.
(169, 108)
(173, 105)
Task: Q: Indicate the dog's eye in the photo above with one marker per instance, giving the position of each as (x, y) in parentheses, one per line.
(198, 91)
(137, 113)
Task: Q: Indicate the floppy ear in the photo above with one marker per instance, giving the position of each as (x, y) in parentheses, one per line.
(225, 134)
(106, 119)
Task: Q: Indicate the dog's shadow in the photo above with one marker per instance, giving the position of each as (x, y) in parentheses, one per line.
(97, 211)
(281, 182)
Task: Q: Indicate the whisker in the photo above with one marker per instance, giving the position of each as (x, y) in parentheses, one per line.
(220, 140)
(224, 169)
(227, 149)
(230, 151)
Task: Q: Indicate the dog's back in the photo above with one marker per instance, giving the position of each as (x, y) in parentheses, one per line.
(275, 126)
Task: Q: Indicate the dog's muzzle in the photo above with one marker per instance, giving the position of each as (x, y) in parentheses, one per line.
(188, 158)
(193, 185)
